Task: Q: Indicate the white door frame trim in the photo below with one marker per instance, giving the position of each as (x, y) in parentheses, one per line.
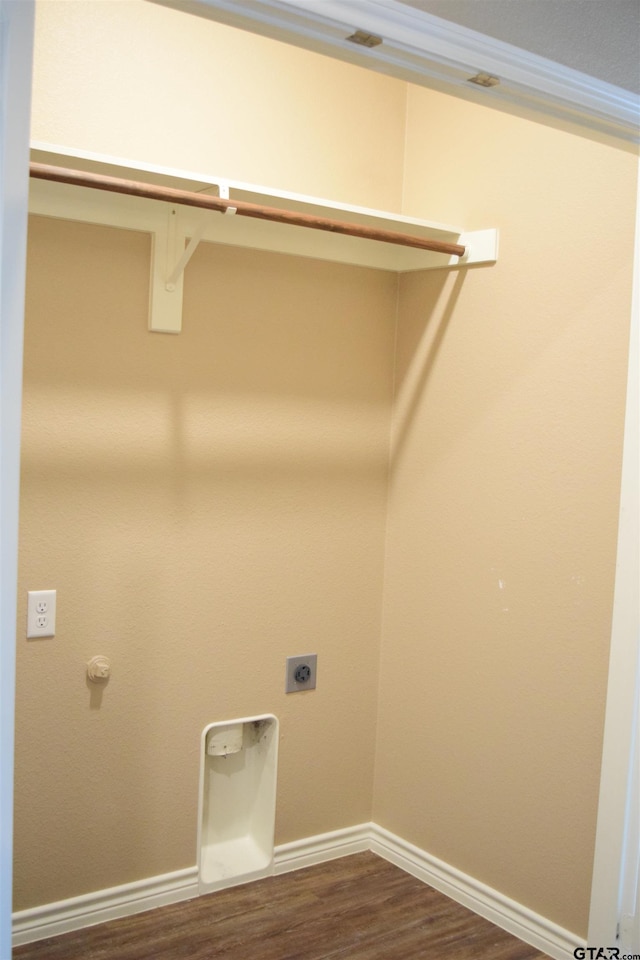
(615, 873)
(16, 54)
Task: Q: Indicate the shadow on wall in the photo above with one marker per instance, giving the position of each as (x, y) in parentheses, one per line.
(425, 328)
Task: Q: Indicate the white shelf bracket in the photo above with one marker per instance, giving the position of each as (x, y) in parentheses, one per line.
(190, 249)
(165, 299)
(169, 257)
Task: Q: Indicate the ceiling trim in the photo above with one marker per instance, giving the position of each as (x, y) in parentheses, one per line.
(430, 51)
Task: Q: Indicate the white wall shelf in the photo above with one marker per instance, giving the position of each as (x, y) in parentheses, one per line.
(171, 225)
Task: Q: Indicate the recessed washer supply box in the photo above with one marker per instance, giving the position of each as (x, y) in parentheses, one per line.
(237, 801)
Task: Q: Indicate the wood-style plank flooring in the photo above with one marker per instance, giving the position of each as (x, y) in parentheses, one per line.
(357, 908)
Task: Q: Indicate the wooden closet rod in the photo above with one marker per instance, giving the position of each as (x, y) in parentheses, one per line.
(97, 181)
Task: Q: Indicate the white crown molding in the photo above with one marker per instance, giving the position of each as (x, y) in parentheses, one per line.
(428, 50)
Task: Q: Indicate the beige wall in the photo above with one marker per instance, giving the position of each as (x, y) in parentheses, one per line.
(205, 505)
(132, 79)
(211, 501)
(503, 506)
(208, 504)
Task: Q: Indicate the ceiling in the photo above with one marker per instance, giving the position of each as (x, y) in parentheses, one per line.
(598, 37)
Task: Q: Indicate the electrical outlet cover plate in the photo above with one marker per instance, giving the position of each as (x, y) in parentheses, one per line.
(301, 673)
(41, 613)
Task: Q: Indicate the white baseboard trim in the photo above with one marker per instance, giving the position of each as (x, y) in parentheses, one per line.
(483, 900)
(65, 916)
(85, 911)
(110, 904)
(324, 847)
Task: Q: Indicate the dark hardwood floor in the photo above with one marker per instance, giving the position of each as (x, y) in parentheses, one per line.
(356, 908)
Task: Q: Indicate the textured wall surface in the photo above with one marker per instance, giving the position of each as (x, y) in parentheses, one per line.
(504, 491)
(205, 505)
(132, 79)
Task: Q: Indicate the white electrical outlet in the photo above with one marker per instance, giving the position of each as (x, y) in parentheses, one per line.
(41, 613)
